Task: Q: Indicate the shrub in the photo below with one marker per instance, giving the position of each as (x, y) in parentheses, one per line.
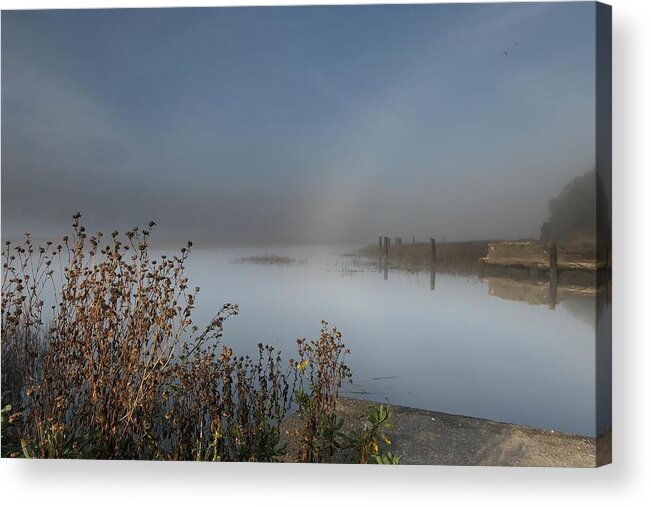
(121, 371)
(121, 363)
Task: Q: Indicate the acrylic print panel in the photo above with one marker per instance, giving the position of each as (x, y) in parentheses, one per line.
(356, 234)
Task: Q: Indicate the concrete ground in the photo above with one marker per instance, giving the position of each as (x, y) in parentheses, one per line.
(421, 437)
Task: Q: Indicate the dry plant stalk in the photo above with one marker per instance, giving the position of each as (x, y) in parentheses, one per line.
(322, 370)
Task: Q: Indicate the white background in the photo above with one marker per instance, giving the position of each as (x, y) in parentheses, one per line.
(626, 482)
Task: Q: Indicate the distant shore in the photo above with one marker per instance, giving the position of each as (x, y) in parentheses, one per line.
(459, 257)
(468, 258)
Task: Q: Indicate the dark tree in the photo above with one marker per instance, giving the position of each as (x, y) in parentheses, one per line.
(574, 212)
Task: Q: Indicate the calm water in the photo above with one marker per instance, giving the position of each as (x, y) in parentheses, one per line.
(455, 349)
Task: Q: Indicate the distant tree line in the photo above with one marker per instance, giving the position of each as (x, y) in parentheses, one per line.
(573, 213)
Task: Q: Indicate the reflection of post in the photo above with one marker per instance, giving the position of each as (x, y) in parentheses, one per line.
(553, 292)
(386, 271)
(432, 278)
(553, 273)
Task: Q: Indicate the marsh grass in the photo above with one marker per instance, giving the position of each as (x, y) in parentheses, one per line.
(454, 257)
(270, 260)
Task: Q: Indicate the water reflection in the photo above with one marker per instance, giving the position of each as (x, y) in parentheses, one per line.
(538, 292)
(383, 267)
(468, 347)
(553, 292)
(583, 302)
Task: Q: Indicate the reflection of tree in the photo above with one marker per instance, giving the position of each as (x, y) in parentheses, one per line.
(573, 214)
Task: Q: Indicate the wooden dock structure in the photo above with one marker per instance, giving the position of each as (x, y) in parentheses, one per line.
(536, 255)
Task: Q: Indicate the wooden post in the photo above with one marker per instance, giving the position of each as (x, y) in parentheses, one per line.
(386, 248)
(553, 260)
(379, 239)
(432, 242)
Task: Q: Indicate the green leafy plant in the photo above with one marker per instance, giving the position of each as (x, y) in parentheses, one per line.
(366, 442)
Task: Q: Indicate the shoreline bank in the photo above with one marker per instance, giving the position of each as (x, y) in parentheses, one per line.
(423, 437)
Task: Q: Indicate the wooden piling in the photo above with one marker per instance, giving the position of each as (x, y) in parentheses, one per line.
(387, 240)
(379, 239)
(553, 259)
(432, 242)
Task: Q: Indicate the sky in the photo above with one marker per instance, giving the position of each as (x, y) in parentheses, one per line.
(314, 124)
